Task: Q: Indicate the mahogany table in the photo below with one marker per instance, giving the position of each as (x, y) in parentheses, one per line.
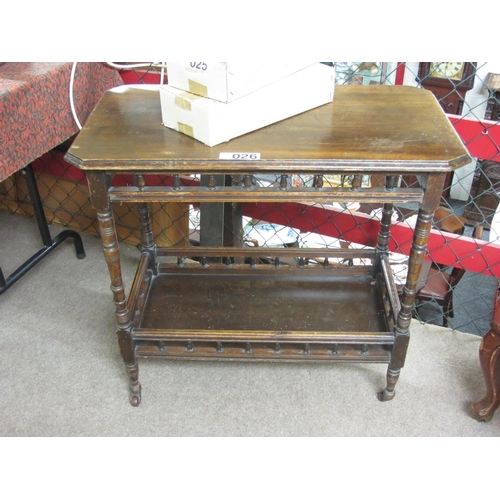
(249, 311)
(35, 117)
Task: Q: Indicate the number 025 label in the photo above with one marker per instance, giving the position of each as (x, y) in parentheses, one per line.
(239, 156)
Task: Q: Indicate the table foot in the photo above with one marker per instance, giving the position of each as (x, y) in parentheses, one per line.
(77, 241)
(386, 395)
(389, 392)
(135, 399)
(135, 386)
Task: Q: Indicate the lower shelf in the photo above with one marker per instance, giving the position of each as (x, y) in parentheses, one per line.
(263, 314)
(283, 302)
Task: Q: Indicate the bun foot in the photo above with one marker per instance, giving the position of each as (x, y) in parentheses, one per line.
(135, 386)
(389, 392)
(135, 399)
(386, 395)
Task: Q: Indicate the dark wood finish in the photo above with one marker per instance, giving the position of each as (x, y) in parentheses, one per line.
(262, 297)
(228, 305)
(366, 128)
(489, 356)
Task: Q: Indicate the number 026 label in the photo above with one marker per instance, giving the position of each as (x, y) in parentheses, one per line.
(239, 156)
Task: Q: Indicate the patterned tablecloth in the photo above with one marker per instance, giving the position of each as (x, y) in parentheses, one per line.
(35, 109)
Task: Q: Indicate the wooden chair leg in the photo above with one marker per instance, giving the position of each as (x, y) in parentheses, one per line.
(489, 356)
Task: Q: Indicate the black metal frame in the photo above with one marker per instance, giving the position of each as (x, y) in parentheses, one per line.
(49, 243)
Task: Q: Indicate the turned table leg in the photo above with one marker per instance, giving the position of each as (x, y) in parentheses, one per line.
(489, 357)
(434, 187)
(98, 185)
(112, 256)
(383, 248)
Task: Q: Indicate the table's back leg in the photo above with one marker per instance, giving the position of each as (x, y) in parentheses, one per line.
(386, 219)
(383, 249)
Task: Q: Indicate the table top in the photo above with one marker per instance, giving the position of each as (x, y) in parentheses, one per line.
(365, 129)
(35, 111)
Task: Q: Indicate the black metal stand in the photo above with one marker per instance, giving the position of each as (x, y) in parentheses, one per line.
(49, 243)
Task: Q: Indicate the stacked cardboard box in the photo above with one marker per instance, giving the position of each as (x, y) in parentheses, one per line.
(215, 102)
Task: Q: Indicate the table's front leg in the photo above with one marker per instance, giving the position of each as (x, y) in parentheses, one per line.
(98, 185)
(423, 227)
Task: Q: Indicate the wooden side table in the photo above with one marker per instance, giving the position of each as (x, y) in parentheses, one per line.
(237, 308)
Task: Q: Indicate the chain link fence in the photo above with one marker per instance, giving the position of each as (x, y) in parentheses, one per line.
(466, 227)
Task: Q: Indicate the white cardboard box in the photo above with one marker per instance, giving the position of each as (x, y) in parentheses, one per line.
(214, 122)
(227, 81)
